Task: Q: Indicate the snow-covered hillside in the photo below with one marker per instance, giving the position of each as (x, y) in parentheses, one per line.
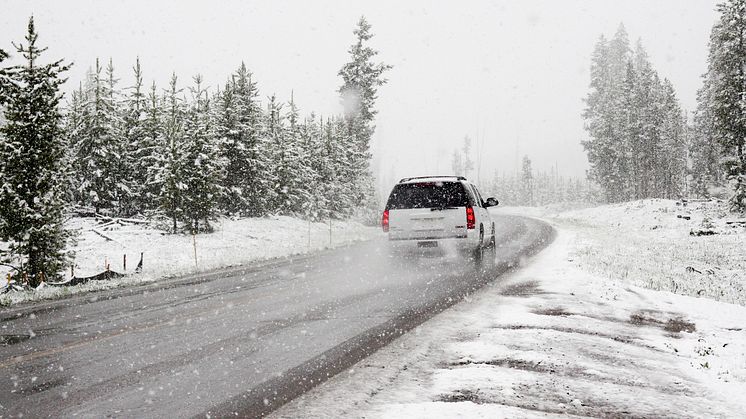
(234, 242)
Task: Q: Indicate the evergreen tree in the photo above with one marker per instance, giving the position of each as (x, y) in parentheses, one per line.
(361, 78)
(316, 158)
(647, 101)
(606, 150)
(240, 128)
(73, 129)
(100, 146)
(636, 128)
(202, 168)
(704, 151)
(276, 140)
(467, 161)
(527, 182)
(726, 92)
(169, 172)
(138, 150)
(294, 174)
(457, 163)
(32, 156)
(147, 155)
(225, 130)
(4, 83)
(673, 159)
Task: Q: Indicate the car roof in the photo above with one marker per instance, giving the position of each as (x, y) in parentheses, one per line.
(433, 179)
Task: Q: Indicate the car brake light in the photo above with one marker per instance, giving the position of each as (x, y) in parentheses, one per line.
(470, 220)
(385, 221)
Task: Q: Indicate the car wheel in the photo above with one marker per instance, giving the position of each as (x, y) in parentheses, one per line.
(492, 242)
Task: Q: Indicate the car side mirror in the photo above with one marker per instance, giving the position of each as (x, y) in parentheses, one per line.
(491, 202)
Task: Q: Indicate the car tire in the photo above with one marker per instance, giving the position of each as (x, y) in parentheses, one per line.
(478, 252)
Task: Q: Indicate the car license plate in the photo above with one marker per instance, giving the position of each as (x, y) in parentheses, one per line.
(427, 244)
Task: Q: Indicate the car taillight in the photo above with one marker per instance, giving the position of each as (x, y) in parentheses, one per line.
(385, 221)
(470, 220)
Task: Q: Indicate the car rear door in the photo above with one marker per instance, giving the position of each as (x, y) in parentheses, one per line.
(427, 211)
(484, 215)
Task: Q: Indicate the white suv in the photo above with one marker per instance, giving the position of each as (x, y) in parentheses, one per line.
(438, 211)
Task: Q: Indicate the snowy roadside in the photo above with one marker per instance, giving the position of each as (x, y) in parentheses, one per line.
(553, 339)
(695, 249)
(234, 243)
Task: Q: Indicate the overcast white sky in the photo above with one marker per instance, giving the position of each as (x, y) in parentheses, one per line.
(510, 74)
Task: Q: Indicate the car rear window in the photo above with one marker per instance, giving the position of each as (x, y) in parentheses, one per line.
(427, 195)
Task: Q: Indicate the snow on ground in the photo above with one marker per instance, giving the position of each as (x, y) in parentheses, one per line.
(695, 249)
(234, 242)
(569, 335)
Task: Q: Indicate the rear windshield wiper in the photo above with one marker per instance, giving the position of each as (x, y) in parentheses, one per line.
(442, 208)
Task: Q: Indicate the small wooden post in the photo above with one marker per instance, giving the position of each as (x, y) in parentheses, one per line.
(138, 268)
(8, 278)
(124, 262)
(194, 245)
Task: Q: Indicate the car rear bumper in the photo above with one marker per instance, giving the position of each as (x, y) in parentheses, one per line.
(432, 244)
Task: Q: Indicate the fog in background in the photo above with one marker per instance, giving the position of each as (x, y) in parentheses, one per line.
(511, 75)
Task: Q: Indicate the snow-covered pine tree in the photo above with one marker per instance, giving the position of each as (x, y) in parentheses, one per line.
(605, 146)
(457, 163)
(72, 130)
(334, 168)
(300, 177)
(615, 112)
(122, 193)
(704, 151)
(148, 154)
(361, 78)
(631, 127)
(225, 131)
(647, 94)
(726, 103)
(315, 159)
(4, 86)
(168, 172)
(248, 166)
(100, 146)
(202, 168)
(275, 138)
(32, 155)
(672, 161)
(138, 148)
(468, 163)
(354, 185)
(628, 113)
(527, 182)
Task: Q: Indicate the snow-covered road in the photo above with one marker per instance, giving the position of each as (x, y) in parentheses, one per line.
(242, 340)
(552, 340)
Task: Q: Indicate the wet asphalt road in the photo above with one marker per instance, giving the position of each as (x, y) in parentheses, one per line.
(236, 342)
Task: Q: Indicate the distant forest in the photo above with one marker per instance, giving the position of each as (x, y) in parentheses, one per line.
(640, 143)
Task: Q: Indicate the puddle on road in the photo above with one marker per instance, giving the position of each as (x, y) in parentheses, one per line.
(556, 311)
(7, 340)
(522, 289)
(673, 324)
